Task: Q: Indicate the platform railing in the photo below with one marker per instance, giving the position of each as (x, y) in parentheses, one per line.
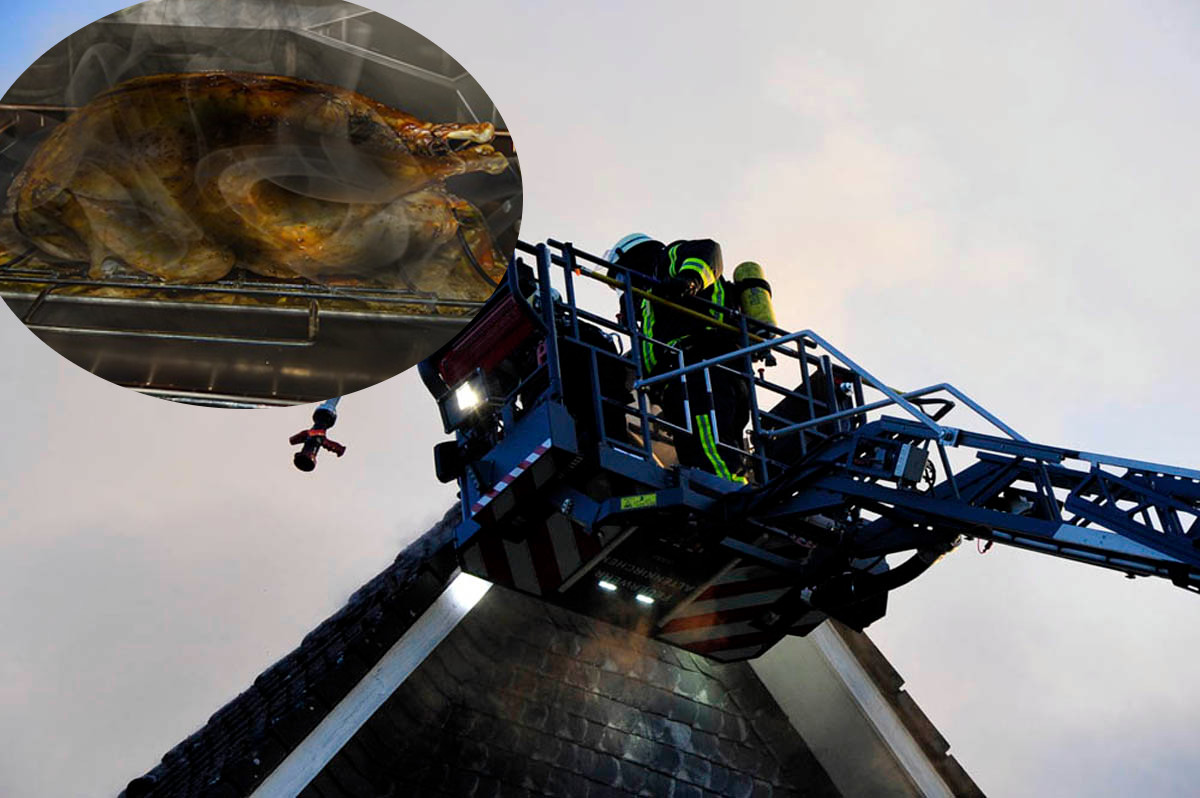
(829, 389)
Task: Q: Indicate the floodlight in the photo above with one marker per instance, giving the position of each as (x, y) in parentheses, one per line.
(467, 397)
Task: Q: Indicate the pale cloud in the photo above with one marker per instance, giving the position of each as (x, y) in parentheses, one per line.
(997, 195)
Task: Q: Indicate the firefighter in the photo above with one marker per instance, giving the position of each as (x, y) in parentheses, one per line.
(682, 272)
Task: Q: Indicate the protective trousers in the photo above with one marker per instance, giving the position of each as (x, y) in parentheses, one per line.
(729, 402)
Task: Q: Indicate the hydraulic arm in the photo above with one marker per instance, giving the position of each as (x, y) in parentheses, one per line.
(1139, 518)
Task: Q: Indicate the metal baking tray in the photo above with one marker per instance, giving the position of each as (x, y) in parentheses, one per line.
(235, 340)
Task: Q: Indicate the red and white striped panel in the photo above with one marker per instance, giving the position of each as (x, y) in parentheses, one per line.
(502, 497)
(718, 622)
(539, 563)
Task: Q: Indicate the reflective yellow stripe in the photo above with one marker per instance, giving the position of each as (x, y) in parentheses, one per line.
(648, 356)
(709, 445)
(707, 275)
(718, 299)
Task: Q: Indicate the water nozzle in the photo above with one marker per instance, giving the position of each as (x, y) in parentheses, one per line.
(312, 441)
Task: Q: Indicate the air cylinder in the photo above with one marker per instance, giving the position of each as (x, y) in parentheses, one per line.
(755, 292)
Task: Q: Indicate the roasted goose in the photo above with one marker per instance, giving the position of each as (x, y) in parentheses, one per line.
(183, 176)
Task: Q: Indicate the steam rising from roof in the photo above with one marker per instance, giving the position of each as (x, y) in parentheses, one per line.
(253, 37)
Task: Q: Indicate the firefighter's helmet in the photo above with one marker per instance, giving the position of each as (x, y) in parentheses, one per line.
(624, 245)
(636, 252)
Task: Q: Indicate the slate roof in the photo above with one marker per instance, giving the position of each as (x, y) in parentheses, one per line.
(522, 698)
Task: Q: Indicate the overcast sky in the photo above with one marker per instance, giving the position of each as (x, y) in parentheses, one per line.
(1000, 195)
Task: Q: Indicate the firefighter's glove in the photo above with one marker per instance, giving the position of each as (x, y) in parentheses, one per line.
(680, 287)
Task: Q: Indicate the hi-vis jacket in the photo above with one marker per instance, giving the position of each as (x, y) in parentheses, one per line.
(702, 258)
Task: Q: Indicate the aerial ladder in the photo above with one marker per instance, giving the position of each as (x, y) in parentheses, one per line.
(568, 493)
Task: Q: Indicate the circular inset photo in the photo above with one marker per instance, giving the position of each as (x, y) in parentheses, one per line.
(253, 202)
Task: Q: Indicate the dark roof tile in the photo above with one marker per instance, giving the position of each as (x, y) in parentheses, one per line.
(613, 741)
(604, 768)
(684, 709)
(558, 784)
(633, 776)
(705, 744)
(718, 778)
(695, 770)
(569, 757)
(598, 790)
(740, 785)
(762, 789)
(487, 787)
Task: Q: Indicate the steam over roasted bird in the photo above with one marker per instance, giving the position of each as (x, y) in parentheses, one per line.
(182, 176)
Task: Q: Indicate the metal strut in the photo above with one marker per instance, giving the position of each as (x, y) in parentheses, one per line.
(1139, 518)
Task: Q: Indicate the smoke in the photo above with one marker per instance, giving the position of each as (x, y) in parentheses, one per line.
(259, 14)
(186, 36)
(377, 213)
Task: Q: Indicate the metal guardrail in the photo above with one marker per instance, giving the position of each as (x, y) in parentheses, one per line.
(844, 407)
(830, 386)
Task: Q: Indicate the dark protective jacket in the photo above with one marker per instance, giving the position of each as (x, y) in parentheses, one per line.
(702, 258)
(721, 397)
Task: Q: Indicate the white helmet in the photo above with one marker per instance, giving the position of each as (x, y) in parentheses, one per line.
(624, 245)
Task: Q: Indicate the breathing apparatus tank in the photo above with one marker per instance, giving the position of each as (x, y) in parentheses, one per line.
(755, 292)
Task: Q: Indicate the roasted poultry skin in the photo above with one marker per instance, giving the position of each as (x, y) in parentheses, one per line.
(183, 176)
